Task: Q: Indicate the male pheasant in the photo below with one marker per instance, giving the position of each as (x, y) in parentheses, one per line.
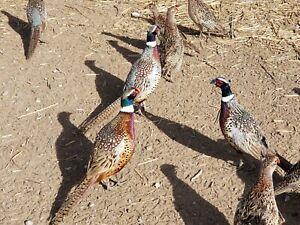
(145, 74)
(203, 16)
(291, 181)
(239, 127)
(113, 148)
(259, 206)
(36, 15)
(173, 46)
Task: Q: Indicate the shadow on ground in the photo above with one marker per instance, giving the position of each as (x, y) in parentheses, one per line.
(193, 209)
(193, 139)
(129, 55)
(21, 27)
(73, 156)
(108, 86)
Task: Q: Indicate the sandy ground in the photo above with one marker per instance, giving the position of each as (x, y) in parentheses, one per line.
(88, 50)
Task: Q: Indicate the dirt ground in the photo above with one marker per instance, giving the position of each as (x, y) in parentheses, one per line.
(88, 50)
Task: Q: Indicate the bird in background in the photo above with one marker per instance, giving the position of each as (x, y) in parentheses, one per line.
(239, 127)
(113, 148)
(204, 17)
(259, 206)
(159, 18)
(36, 15)
(290, 182)
(144, 74)
(172, 46)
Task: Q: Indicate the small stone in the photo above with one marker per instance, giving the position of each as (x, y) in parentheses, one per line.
(148, 148)
(28, 222)
(90, 205)
(136, 14)
(156, 185)
(37, 100)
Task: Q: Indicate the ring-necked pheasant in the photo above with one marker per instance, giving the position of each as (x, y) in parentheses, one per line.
(113, 148)
(259, 205)
(36, 15)
(239, 127)
(290, 182)
(145, 74)
(173, 46)
(203, 16)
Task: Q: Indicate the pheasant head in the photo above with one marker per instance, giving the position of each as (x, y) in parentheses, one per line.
(224, 85)
(269, 164)
(171, 14)
(128, 100)
(151, 35)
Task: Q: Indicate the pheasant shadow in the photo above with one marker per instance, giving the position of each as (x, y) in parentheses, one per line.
(191, 138)
(192, 208)
(297, 90)
(131, 41)
(73, 157)
(21, 27)
(290, 210)
(109, 88)
(129, 55)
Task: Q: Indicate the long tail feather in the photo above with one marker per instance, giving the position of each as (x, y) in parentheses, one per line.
(34, 38)
(72, 201)
(103, 116)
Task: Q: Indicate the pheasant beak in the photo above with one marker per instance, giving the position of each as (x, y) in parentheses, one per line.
(214, 82)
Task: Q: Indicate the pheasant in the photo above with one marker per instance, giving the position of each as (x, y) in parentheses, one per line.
(159, 19)
(291, 181)
(145, 74)
(203, 16)
(239, 127)
(173, 46)
(36, 15)
(113, 148)
(259, 205)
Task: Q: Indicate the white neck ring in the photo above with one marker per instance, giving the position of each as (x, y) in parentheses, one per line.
(151, 44)
(227, 98)
(128, 109)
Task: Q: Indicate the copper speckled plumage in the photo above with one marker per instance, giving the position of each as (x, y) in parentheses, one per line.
(203, 16)
(259, 206)
(113, 148)
(36, 15)
(239, 127)
(291, 181)
(173, 46)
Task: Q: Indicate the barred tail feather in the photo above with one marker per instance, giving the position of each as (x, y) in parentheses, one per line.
(72, 201)
(34, 38)
(281, 188)
(103, 116)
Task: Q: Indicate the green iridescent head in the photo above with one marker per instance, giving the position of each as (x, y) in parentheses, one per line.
(128, 97)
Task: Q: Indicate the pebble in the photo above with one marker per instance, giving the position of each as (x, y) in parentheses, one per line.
(28, 222)
(136, 14)
(156, 184)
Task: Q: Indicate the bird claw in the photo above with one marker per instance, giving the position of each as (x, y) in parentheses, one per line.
(110, 184)
(168, 78)
(140, 109)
